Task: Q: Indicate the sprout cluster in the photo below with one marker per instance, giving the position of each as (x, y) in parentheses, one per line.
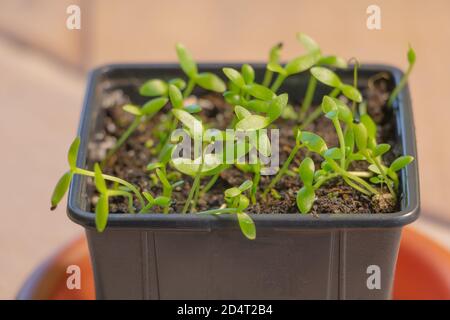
(257, 107)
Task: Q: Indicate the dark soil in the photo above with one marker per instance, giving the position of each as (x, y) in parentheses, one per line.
(131, 160)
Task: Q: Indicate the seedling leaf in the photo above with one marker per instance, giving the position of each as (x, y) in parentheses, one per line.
(401, 162)
(253, 122)
(247, 225)
(306, 171)
(60, 189)
(187, 63)
(153, 88)
(73, 153)
(234, 77)
(101, 212)
(313, 142)
(326, 76)
(100, 183)
(153, 106)
(210, 81)
(260, 92)
(305, 199)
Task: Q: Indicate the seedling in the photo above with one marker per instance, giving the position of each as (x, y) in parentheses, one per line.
(256, 107)
(363, 136)
(236, 202)
(330, 78)
(411, 55)
(334, 61)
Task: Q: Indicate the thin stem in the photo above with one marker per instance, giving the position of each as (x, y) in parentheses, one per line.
(189, 88)
(278, 82)
(283, 169)
(210, 184)
(256, 179)
(114, 179)
(321, 181)
(340, 135)
(133, 126)
(355, 186)
(267, 78)
(378, 164)
(316, 113)
(126, 194)
(309, 95)
(362, 174)
(195, 185)
(400, 86)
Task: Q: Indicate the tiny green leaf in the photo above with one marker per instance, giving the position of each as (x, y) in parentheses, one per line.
(370, 125)
(381, 149)
(360, 132)
(302, 63)
(247, 184)
(154, 165)
(134, 110)
(253, 122)
(153, 106)
(178, 82)
(194, 126)
(351, 92)
(210, 81)
(260, 92)
(73, 153)
(306, 171)
(193, 108)
(333, 153)
(234, 77)
(313, 142)
(153, 88)
(232, 192)
(100, 182)
(258, 105)
(247, 225)
(344, 112)
(162, 201)
(305, 199)
(276, 67)
(411, 55)
(277, 106)
(232, 98)
(326, 76)
(401, 162)
(187, 63)
(333, 61)
(308, 42)
(263, 144)
(248, 73)
(176, 97)
(101, 212)
(60, 189)
(328, 104)
(241, 112)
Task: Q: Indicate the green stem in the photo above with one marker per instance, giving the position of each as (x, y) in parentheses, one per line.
(210, 184)
(283, 169)
(115, 193)
(195, 185)
(309, 95)
(114, 179)
(316, 113)
(123, 138)
(355, 186)
(362, 174)
(400, 86)
(256, 179)
(378, 164)
(278, 82)
(267, 78)
(189, 88)
(325, 179)
(340, 134)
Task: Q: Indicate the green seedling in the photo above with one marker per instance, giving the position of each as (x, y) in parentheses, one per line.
(141, 114)
(206, 80)
(162, 201)
(331, 79)
(356, 142)
(295, 66)
(411, 55)
(274, 59)
(330, 60)
(64, 182)
(236, 202)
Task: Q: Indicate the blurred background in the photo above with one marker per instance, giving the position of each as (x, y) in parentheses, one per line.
(43, 67)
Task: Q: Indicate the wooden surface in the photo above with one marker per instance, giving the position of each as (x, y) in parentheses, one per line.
(40, 99)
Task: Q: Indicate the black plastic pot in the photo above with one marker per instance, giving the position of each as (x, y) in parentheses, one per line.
(176, 256)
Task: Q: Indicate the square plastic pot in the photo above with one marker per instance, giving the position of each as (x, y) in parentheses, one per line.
(185, 256)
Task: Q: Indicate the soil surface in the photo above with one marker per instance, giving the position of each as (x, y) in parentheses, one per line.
(335, 196)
